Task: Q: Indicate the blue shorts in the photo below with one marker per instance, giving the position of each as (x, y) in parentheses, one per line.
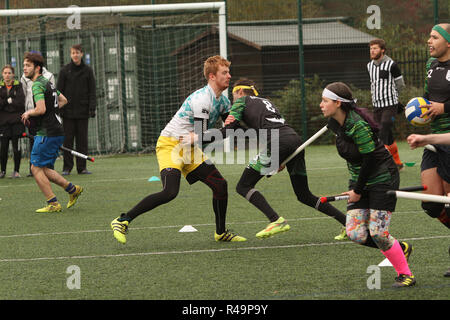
(45, 151)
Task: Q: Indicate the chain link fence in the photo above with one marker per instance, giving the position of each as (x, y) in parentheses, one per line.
(146, 65)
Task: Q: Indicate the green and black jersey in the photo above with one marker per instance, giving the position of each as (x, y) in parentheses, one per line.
(256, 113)
(437, 89)
(250, 112)
(50, 123)
(356, 139)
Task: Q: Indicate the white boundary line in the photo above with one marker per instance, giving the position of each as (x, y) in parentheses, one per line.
(143, 228)
(145, 179)
(158, 227)
(141, 254)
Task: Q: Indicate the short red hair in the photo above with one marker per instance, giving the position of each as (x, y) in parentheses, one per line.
(212, 65)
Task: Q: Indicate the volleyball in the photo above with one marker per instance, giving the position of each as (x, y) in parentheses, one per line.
(414, 109)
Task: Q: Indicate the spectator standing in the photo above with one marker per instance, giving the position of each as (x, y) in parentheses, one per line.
(76, 81)
(12, 105)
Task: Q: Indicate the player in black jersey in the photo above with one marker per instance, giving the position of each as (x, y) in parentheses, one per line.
(49, 136)
(372, 172)
(251, 111)
(435, 166)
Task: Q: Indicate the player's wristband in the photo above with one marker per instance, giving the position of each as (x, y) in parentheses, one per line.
(447, 107)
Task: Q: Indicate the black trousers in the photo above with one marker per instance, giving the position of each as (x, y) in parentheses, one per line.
(4, 141)
(75, 129)
(385, 118)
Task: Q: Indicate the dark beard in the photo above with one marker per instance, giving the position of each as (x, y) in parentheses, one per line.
(30, 75)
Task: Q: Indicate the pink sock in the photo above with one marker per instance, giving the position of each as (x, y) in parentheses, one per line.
(396, 256)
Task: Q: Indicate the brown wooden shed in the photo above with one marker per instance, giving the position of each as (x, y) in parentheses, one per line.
(268, 54)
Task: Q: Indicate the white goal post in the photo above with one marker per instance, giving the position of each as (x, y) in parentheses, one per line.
(215, 6)
(125, 121)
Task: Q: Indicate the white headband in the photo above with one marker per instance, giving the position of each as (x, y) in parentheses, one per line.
(333, 96)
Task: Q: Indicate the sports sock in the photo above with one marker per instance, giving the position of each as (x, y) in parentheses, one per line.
(393, 150)
(220, 209)
(209, 175)
(70, 188)
(52, 200)
(258, 200)
(304, 195)
(331, 211)
(396, 256)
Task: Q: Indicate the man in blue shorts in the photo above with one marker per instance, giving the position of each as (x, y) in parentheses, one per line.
(50, 134)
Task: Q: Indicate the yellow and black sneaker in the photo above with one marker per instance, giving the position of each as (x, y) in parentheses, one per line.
(51, 207)
(404, 280)
(273, 228)
(228, 236)
(342, 236)
(120, 229)
(74, 196)
(407, 249)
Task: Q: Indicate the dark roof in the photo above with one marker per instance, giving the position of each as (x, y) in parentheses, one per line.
(326, 33)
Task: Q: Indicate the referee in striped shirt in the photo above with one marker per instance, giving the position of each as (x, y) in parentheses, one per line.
(386, 81)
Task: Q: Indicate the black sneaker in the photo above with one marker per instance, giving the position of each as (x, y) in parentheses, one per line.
(447, 274)
(404, 280)
(2, 174)
(407, 249)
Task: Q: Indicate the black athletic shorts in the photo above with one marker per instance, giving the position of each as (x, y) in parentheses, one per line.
(375, 197)
(439, 160)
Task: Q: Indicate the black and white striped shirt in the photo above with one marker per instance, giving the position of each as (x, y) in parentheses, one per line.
(383, 75)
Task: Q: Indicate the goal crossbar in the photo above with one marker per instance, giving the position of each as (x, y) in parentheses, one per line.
(220, 6)
(214, 6)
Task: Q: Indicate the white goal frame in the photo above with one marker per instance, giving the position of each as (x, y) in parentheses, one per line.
(219, 7)
(213, 6)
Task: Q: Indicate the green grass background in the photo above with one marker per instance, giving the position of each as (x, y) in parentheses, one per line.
(158, 262)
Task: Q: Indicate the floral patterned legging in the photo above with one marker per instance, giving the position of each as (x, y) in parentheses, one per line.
(364, 222)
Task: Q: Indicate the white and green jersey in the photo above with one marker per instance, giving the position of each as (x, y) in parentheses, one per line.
(200, 104)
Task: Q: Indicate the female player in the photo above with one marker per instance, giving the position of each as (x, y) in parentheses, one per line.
(372, 172)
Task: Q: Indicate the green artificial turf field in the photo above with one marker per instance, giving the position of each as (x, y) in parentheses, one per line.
(39, 251)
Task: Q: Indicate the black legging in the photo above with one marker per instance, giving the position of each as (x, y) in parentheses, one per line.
(250, 177)
(4, 152)
(170, 178)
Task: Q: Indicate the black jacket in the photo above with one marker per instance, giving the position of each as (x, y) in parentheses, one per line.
(10, 113)
(77, 84)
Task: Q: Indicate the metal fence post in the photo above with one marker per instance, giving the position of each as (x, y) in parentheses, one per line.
(302, 71)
